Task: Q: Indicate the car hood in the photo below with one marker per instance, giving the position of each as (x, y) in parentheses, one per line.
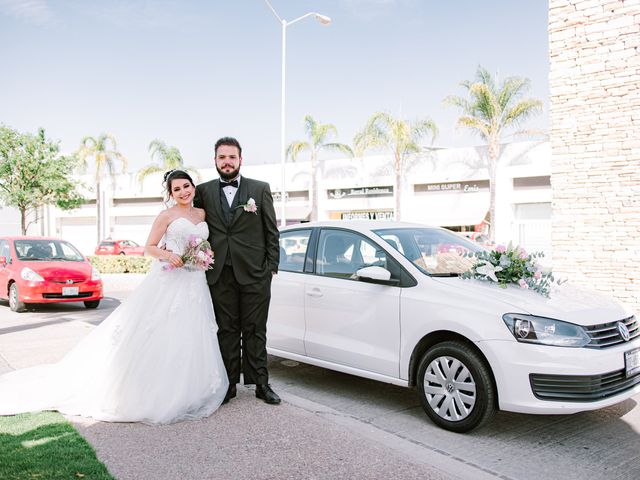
(53, 270)
(566, 302)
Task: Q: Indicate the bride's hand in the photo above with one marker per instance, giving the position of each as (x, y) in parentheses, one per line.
(175, 260)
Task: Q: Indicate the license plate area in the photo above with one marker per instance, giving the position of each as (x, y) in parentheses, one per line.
(70, 291)
(632, 362)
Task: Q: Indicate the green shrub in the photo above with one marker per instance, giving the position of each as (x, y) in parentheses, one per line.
(121, 263)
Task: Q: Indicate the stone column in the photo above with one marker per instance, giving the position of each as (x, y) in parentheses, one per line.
(594, 50)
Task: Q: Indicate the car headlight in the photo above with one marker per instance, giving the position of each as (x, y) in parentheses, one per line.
(30, 276)
(95, 274)
(545, 331)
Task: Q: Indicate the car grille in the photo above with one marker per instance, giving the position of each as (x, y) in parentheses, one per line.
(607, 335)
(59, 295)
(581, 388)
(65, 281)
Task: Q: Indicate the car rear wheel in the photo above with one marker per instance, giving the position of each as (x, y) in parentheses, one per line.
(92, 304)
(14, 299)
(456, 387)
(122, 253)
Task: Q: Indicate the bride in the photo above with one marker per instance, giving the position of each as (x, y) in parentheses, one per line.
(156, 358)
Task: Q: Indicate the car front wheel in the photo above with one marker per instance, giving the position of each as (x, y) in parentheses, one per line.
(456, 387)
(14, 299)
(92, 304)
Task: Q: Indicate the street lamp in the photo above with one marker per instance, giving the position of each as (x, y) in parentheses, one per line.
(324, 20)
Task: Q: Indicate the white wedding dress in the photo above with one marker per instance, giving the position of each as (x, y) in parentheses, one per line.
(154, 360)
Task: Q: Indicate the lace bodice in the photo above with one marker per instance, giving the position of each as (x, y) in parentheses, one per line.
(179, 231)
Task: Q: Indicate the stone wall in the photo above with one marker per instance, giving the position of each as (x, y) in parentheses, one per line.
(594, 49)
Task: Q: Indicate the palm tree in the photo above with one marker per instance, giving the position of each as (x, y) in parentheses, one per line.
(383, 131)
(489, 110)
(104, 152)
(317, 134)
(169, 158)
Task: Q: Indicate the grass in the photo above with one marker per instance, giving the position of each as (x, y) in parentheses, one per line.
(45, 446)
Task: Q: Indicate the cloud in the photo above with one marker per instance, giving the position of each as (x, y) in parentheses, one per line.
(33, 11)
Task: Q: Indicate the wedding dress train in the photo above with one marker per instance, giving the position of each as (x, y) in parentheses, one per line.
(154, 360)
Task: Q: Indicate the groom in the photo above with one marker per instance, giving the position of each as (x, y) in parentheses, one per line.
(244, 236)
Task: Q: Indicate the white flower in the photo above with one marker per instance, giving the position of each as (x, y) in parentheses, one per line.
(489, 270)
(250, 206)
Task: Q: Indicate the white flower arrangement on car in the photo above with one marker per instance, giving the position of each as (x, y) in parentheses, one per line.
(509, 264)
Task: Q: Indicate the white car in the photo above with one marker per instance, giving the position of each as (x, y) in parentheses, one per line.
(383, 300)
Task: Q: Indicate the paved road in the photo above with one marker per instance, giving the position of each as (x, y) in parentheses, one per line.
(332, 425)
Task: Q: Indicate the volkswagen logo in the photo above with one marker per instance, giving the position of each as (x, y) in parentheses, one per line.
(624, 331)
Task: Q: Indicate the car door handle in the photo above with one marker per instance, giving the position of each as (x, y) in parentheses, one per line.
(314, 293)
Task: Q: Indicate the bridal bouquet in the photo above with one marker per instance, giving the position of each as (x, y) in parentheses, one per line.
(509, 264)
(197, 256)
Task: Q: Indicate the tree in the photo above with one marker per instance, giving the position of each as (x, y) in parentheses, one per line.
(384, 132)
(104, 152)
(169, 158)
(33, 174)
(489, 110)
(317, 134)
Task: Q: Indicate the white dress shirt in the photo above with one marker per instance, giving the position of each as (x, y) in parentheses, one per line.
(230, 191)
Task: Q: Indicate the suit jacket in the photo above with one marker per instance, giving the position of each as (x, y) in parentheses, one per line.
(252, 239)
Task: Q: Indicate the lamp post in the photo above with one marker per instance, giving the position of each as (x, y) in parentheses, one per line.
(324, 20)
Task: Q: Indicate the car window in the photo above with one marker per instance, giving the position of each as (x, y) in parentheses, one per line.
(293, 250)
(5, 251)
(47, 250)
(342, 253)
(433, 250)
(107, 244)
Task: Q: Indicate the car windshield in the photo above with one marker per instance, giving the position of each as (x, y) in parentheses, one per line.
(47, 250)
(434, 251)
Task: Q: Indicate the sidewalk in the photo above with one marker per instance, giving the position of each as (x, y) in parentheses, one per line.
(245, 439)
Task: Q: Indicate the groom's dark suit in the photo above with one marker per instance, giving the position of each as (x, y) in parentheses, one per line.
(246, 253)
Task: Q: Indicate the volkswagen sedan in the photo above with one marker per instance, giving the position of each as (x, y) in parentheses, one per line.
(385, 301)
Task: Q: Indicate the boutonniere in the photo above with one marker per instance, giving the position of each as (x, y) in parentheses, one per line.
(250, 206)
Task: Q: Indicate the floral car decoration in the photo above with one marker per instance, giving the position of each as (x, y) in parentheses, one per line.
(509, 264)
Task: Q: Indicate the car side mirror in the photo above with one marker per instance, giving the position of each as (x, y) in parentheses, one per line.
(3, 261)
(378, 275)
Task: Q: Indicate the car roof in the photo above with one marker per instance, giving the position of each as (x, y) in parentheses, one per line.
(31, 237)
(360, 225)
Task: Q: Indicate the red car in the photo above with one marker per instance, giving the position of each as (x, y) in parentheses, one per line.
(119, 247)
(46, 270)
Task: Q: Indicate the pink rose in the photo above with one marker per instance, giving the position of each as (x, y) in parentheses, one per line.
(537, 275)
(522, 283)
(501, 249)
(523, 254)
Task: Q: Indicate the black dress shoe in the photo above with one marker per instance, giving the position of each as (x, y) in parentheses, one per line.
(265, 393)
(231, 393)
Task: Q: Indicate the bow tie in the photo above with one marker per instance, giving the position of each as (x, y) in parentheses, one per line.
(232, 183)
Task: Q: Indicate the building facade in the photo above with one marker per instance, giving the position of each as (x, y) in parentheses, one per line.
(442, 187)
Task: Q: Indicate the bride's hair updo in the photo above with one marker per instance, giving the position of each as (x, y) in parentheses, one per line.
(172, 175)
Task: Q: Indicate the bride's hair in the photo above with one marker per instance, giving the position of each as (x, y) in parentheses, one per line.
(172, 175)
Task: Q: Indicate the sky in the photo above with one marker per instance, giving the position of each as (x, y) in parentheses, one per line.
(188, 72)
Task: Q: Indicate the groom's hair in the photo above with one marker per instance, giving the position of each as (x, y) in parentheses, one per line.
(230, 142)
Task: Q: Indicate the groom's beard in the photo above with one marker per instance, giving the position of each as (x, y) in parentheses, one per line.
(228, 176)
